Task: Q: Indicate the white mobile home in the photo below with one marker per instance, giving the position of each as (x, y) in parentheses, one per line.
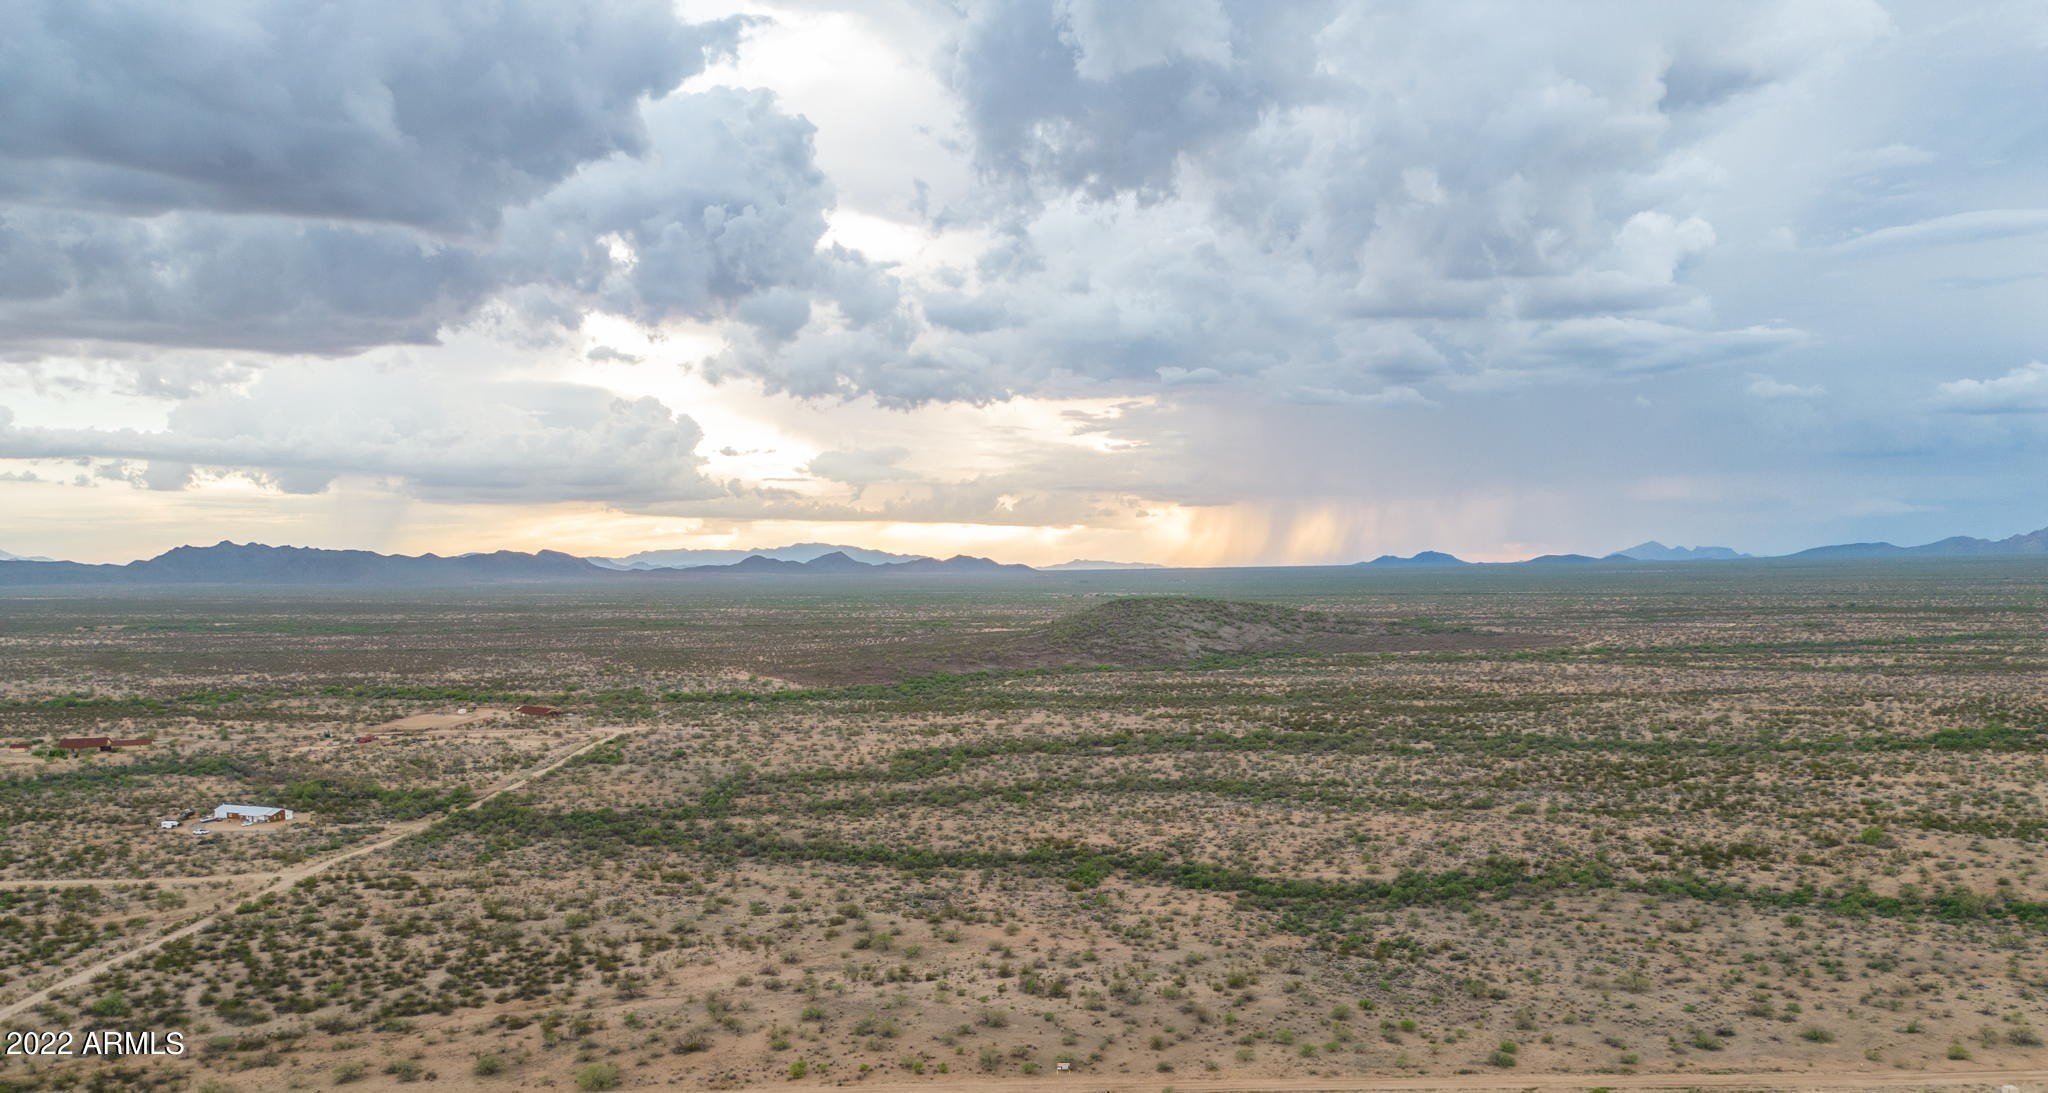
(251, 814)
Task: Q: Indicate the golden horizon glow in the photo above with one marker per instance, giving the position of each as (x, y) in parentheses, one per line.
(53, 518)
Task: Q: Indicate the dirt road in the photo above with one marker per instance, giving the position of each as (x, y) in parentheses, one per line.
(280, 880)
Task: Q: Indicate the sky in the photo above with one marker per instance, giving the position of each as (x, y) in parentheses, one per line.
(1198, 282)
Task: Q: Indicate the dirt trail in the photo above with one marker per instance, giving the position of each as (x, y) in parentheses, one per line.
(283, 879)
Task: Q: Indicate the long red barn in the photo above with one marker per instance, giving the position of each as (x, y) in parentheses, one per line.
(101, 743)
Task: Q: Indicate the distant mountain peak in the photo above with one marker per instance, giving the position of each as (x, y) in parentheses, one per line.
(836, 562)
(1561, 559)
(762, 561)
(1082, 564)
(1654, 551)
(1419, 558)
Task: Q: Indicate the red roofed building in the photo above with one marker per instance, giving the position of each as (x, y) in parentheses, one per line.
(539, 711)
(101, 743)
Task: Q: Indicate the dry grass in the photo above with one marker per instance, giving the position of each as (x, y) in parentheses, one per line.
(1687, 828)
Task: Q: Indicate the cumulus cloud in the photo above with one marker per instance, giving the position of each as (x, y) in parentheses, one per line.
(1106, 97)
(1764, 387)
(374, 110)
(1305, 198)
(725, 204)
(1113, 37)
(301, 427)
(210, 279)
(2024, 390)
(295, 177)
(1294, 196)
(729, 207)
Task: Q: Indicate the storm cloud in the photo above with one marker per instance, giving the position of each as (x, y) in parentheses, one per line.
(1615, 271)
(303, 177)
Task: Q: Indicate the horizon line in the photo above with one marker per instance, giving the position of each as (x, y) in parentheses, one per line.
(1387, 558)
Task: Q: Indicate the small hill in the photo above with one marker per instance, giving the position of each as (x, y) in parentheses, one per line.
(1157, 630)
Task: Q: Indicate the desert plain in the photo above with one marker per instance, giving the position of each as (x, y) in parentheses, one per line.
(1719, 826)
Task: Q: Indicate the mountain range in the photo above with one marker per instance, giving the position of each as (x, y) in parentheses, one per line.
(840, 562)
(794, 552)
(228, 563)
(1955, 546)
(257, 564)
(253, 563)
